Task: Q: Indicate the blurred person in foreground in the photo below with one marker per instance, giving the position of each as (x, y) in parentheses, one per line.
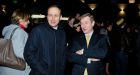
(20, 20)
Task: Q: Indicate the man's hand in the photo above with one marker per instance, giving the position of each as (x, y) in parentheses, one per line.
(94, 59)
(80, 52)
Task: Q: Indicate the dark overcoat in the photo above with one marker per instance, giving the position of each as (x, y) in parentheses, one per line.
(45, 50)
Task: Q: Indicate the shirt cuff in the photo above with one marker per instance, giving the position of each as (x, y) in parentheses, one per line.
(88, 61)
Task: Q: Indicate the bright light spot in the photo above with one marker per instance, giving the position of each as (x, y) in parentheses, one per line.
(139, 13)
(122, 13)
(3, 8)
(131, 1)
(64, 18)
(120, 21)
(83, 1)
(35, 0)
(37, 16)
(43, 16)
(92, 6)
(122, 6)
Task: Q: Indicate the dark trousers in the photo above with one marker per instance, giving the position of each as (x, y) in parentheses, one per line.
(96, 68)
(121, 63)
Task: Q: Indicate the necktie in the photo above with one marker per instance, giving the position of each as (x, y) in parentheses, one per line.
(85, 72)
(87, 40)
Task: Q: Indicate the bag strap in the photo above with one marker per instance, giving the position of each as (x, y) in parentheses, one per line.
(13, 33)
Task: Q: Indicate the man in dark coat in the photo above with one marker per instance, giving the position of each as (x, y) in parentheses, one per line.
(45, 48)
(88, 57)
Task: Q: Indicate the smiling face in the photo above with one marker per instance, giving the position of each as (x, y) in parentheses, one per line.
(86, 24)
(53, 16)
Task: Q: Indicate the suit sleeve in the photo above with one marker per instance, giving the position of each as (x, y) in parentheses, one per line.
(99, 51)
(73, 57)
(30, 52)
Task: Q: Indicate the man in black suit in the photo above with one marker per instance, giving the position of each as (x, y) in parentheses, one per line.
(88, 52)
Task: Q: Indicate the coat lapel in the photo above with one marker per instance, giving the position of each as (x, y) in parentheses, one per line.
(83, 41)
(93, 40)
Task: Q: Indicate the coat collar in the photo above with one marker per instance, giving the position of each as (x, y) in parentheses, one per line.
(48, 26)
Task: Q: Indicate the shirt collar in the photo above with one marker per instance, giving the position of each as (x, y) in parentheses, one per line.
(90, 34)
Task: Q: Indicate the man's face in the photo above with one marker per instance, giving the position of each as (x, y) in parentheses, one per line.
(53, 16)
(70, 22)
(109, 28)
(86, 25)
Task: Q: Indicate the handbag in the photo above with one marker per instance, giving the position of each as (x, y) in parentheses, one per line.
(7, 56)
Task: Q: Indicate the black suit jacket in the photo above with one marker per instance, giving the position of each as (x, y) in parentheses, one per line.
(97, 49)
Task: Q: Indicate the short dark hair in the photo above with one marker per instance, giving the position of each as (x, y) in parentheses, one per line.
(89, 15)
(55, 6)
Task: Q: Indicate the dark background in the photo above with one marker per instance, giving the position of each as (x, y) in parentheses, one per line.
(105, 10)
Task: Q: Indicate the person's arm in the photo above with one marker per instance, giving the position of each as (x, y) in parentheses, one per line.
(99, 52)
(31, 52)
(76, 58)
(19, 39)
(79, 59)
(107, 69)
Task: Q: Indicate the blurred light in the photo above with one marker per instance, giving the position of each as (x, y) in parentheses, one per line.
(64, 18)
(83, 1)
(139, 6)
(121, 13)
(122, 26)
(43, 16)
(3, 8)
(139, 13)
(15, 1)
(120, 21)
(122, 6)
(92, 6)
(76, 25)
(131, 1)
(37, 16)
(139, 9)
(34, 0)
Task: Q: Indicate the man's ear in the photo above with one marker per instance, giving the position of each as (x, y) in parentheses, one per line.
(61, 17)
(93, 23)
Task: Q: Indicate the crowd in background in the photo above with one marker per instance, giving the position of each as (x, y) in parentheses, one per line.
(123, 45)
(123, 56)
